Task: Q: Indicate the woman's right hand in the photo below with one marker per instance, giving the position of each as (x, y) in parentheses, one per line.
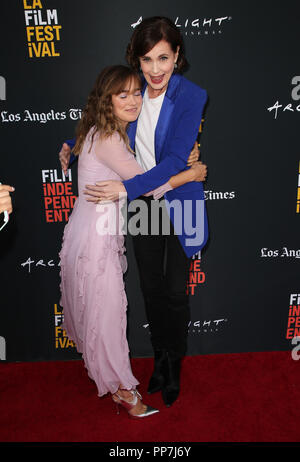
(64, 157)
(199, 171)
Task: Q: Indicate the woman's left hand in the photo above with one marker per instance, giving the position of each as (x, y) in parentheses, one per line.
(109, 190)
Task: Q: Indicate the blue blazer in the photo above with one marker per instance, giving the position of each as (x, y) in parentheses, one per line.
(175, 134)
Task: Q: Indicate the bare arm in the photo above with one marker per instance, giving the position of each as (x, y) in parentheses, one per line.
(197, 172)
(113, 153)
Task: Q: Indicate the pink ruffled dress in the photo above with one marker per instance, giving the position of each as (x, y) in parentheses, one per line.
(92, 265)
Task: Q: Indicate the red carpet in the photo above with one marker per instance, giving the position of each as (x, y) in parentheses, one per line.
(248, 397)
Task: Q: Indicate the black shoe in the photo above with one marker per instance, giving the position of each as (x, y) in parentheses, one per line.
(171, 387)
(157, 379)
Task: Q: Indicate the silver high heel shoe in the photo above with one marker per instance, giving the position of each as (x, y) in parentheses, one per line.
(130, 405)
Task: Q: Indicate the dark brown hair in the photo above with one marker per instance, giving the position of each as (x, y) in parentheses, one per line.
(98, 112)
(148, 33)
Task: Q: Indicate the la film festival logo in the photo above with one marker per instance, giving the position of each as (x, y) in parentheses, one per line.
(291, 107)
(43, 30)
(61, 339)
(58, 195)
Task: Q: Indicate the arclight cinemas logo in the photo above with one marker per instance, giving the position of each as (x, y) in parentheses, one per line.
(203, 327)
(280, 107)
(197, 27)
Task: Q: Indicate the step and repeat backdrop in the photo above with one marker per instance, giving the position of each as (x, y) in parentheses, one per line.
(244, 287)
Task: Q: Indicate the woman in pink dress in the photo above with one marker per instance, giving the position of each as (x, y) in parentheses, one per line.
(92, 258)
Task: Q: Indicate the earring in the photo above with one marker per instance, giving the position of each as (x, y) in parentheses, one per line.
(175, 65)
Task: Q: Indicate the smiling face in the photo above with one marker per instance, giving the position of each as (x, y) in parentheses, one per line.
(157, 66)
(127, 104)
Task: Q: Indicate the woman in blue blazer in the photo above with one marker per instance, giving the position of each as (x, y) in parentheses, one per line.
(156, 48)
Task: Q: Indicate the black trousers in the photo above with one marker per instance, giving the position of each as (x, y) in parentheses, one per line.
(164, 269)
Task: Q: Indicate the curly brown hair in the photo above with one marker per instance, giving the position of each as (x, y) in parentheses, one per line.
(98, 112)
(148, 33)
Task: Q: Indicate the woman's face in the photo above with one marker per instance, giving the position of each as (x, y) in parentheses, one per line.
(157, 66)
(127, 104)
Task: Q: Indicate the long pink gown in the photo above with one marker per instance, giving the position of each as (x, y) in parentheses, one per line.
(92, 265)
